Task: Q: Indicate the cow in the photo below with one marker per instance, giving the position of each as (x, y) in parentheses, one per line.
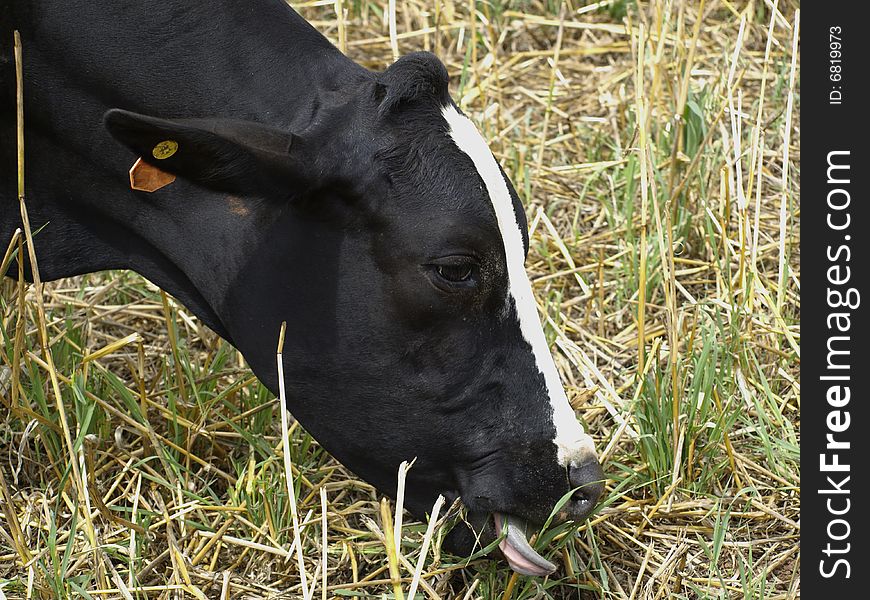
(290, 184)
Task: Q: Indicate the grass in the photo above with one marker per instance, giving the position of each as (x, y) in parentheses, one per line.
(654, 146)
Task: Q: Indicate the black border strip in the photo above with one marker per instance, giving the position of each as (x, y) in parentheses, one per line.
(834, 254)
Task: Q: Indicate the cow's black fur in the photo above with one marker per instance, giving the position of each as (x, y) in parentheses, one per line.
(311, 191)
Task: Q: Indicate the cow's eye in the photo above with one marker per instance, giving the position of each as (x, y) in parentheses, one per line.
(454, 272)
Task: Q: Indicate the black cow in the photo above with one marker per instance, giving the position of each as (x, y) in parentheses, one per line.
(361, 208)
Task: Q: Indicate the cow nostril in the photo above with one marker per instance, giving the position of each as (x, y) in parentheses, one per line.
(588, 477)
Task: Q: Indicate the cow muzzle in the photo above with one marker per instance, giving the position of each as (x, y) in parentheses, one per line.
(587, 483)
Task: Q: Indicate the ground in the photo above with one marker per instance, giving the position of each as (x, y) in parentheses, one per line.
(656, 149)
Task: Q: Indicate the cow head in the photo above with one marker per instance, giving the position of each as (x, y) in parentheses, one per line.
(385, 234)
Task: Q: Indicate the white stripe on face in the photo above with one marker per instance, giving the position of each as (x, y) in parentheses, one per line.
(573, 444)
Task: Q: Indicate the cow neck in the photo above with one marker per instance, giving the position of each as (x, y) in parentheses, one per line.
(270, 66)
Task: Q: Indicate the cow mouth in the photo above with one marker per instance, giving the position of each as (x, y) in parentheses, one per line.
(515, 547)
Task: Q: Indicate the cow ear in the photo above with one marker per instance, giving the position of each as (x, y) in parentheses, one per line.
(220, 154)
(414, 77)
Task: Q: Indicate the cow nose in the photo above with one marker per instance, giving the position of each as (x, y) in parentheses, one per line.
(588, 477)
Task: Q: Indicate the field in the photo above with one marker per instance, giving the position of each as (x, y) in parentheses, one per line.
(656, 148)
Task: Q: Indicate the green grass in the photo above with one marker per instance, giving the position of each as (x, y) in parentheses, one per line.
(699, 417)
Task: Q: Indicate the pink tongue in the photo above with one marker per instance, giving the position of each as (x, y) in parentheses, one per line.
(516, 549)
(519, 563)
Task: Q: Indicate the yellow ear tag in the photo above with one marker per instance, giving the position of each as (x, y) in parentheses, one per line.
(165, 149)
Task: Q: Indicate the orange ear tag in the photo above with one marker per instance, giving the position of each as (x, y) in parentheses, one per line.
(147, 178)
